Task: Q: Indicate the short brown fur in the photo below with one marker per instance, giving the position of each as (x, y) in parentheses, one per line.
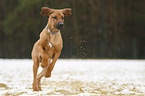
(48, 45)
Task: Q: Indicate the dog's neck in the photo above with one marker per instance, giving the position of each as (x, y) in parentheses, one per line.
(50, 31)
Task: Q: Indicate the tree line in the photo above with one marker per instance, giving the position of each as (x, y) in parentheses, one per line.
(96, 29)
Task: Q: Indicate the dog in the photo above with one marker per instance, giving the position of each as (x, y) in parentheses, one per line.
(48, 48)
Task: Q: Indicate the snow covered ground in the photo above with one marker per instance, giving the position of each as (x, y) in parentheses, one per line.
(75, 77)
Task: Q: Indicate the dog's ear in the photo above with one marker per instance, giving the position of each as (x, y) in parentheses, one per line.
(66, 11)
(46, 11)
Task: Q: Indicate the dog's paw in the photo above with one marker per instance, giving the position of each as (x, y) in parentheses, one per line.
(47, 75)
(36, 86)
(43, 64)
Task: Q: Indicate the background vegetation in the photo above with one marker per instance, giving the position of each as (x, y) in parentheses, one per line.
(96, 29)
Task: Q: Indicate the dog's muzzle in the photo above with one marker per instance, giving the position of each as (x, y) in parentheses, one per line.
(59, 25)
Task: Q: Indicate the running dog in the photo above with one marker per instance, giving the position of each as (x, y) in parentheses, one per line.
(49, 44)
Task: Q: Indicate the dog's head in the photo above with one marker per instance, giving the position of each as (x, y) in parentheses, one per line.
(56, 17)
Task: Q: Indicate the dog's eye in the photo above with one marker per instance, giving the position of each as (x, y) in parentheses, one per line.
(54, 17)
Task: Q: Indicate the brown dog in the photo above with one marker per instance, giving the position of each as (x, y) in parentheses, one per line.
(49, 44)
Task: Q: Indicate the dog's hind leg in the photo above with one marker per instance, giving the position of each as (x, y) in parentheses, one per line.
(43, 72)
(35, 69)
(40, 75)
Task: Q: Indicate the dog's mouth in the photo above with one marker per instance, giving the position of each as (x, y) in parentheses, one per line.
(60, 25)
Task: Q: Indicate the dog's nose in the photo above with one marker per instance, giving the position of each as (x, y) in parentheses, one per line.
(60, 24)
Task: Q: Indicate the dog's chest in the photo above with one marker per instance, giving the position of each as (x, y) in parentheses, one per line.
(54, 41)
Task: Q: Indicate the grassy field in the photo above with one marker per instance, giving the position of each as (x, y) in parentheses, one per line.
(75, 77)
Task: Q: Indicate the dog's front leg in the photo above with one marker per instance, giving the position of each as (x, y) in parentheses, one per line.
(50, 68)
(44, 56)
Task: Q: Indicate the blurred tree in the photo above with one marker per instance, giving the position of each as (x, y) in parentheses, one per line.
(96, 29)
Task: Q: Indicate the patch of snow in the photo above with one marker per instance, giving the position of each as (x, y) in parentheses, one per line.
(75, 77)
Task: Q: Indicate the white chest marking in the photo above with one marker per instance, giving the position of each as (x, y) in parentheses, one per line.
(50, 45)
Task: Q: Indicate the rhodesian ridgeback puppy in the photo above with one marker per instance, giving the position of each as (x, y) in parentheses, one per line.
(49, 44)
